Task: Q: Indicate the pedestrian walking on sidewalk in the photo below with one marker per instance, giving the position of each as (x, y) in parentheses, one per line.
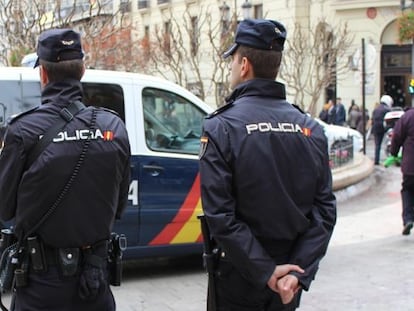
(403, 136)
(378, 129)
(340, 113)
(266, 185)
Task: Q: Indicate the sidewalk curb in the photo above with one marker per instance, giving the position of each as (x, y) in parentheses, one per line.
(354, 178)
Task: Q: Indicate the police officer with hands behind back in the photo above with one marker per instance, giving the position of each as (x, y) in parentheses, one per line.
(83, 172)
(266, 185)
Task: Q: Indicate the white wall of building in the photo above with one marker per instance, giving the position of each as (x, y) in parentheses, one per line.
(371, 20)
(366, 19)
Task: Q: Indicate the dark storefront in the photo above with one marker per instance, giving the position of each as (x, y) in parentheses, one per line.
(396, 73)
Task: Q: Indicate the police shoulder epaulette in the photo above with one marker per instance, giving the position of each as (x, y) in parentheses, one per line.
(219, 110)
(109, 110)
(298, 108)
(21, 114)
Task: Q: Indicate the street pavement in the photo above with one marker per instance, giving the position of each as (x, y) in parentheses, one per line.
(369, 264)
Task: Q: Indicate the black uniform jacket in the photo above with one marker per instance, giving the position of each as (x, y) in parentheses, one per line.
(266, 184)
(99, 192)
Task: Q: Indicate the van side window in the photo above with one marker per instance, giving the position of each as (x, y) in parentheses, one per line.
(105, 95)
(20, 96)
(171, 122)
(17, 96)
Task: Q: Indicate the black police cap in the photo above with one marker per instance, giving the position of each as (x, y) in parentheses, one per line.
(262, 34)
(57, 45)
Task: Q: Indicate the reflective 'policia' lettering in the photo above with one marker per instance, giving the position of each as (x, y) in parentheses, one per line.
(83, 135)
(269, 127)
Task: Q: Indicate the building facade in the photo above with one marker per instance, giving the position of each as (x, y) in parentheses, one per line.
(372, 24)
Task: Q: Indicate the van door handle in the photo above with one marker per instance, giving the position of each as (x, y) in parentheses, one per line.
(154, 170)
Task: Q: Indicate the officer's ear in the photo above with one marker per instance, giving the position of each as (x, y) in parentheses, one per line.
(83, 70)
(246, 69)
(44, 78)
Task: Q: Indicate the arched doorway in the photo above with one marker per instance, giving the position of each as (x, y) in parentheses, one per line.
(395, 66)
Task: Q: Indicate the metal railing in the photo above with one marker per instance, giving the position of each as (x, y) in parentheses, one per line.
(341, 154)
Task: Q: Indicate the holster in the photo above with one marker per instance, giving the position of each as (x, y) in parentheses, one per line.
(9, 258)
(9, 263)
(117, 245)
(211, 260)
(7, 238)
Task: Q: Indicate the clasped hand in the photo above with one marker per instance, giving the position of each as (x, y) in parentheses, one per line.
(286, 285)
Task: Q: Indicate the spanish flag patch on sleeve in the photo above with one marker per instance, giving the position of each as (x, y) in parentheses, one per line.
(306, 131)
(203, 146)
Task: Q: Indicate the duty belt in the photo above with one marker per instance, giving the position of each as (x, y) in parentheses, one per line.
(69, 259)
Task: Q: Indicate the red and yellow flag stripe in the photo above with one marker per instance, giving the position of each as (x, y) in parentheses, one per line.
(185, 227)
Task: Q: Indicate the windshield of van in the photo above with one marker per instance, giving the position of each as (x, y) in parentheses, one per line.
(172, 123)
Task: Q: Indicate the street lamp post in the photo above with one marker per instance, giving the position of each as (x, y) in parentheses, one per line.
(404, 7)
(247, 9)
(225, 17)
(225, 11)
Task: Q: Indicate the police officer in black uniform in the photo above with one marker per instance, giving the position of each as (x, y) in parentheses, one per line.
(69, 271)
(266, 185)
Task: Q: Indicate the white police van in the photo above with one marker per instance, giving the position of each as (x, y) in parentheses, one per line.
(164, 125)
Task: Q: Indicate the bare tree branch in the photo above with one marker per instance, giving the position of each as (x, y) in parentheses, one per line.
(107, 35)
(178, 51)
(313, 60)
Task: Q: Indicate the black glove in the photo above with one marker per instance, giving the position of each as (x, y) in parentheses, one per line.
(92, 279)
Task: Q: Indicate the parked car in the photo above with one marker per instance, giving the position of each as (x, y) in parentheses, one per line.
(340, 135)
